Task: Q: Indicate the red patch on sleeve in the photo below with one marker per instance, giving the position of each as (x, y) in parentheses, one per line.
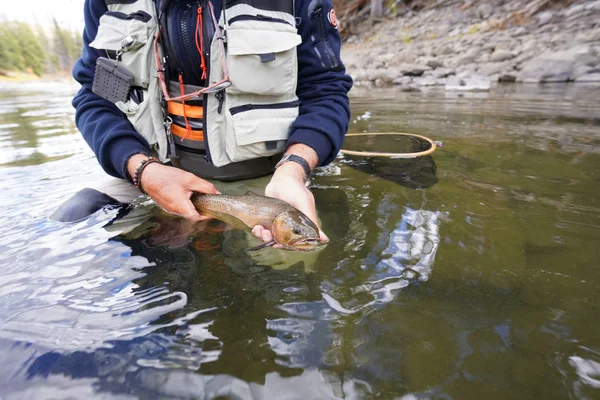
(332, 18)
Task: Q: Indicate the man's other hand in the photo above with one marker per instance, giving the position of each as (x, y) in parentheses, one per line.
(287, 184)
(171, 187)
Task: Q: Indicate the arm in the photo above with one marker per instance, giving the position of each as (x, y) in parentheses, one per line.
(118, 147)
(322, 83)
(318, 132)
(103, 126)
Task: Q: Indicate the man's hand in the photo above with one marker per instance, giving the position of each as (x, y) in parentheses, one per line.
(287, 184)
(171, 187)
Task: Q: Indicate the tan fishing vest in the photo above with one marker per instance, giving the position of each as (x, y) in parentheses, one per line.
(254, 116)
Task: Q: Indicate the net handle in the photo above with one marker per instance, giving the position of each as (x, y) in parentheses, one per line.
(389, 155)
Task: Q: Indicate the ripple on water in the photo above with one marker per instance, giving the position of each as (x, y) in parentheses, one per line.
(504, 305)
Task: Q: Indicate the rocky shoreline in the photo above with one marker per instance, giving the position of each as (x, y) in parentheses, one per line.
(473, 44)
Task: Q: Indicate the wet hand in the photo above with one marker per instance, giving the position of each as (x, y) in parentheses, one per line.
(287, 184)
(171, 187)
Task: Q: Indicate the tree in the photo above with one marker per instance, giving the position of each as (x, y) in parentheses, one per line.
(11, 54)
(67, 47)
(34, 54)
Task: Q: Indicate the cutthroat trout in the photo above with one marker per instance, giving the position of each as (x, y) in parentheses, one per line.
(290, 228)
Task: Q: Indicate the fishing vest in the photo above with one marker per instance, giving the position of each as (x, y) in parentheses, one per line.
(236, 133)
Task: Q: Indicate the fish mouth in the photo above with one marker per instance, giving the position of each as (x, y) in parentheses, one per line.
(305, 244)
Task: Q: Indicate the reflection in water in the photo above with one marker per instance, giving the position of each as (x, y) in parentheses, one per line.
(36, 125)
(470, 271)
(408, 257)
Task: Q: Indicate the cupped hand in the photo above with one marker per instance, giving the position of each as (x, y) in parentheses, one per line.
(287, 184)
(172, 187)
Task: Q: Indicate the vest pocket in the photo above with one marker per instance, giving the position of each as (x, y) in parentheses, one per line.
(259, 130)
(129, 34)
(261, 56)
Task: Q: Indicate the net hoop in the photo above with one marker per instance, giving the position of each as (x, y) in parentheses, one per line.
(390, 155)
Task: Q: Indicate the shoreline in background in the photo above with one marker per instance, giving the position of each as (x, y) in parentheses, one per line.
(16, 79)
(460, 46)
(475, 44)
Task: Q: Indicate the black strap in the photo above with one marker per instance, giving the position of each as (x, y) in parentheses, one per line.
(299, 160)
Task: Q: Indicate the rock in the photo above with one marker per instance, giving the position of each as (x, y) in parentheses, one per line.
(383, 60)
(406, 56)
(468, 83)
(413, 69)
(442, 72)
(554, 66)
(545, 17)
(490, 69)
(574, 10)
(595, 77)
(546, 70)
(433, 64)
(359, 76)
(591, 35)
(372, 74)
(593, 6)
(403, 80)
(484, 11)
(580, 70)
(529, 45)
(520, 31)
(409, 88)
(446, 51)
(428, 81)
(507, 77)
(468, 58)
(501, 55)
(384, 75)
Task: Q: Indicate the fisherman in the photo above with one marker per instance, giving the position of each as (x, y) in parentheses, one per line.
(178, 94)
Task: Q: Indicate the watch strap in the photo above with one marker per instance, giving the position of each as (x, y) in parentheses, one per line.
(299, 160)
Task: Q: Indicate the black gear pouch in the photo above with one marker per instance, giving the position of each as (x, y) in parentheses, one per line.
(111, 81)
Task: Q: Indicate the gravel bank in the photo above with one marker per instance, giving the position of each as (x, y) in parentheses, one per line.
(472, 45)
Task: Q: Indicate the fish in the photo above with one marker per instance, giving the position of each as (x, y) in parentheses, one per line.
(290, 228)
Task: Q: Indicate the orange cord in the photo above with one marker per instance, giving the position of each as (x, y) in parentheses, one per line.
(188, 128)
(217, 86)
(199, 45)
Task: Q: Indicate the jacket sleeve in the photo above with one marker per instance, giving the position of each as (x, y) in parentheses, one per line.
(322, 82)
(104, 127)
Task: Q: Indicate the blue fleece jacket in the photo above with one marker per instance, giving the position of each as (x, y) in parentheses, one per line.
(322, 89)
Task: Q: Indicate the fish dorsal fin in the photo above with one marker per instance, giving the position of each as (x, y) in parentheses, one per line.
(251, 193)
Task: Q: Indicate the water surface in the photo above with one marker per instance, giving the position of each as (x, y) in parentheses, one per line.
(471, 273)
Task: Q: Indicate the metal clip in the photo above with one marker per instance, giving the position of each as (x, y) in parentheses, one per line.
(126, 43)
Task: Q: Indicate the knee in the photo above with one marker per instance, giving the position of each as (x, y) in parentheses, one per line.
(83, 204)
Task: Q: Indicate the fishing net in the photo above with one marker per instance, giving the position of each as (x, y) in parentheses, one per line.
(388, 144)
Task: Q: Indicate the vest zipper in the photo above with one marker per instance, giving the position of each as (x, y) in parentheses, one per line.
(248, 107)
(258, 17)
(187, 46)
(170, 53)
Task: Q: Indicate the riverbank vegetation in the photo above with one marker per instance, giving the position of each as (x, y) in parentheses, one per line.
(34, 50)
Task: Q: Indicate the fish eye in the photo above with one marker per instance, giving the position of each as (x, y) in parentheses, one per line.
(297, 230)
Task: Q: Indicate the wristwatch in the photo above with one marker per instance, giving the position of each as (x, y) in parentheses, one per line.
(299, 160)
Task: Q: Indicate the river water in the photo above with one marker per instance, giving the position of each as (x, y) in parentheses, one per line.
(472, 273)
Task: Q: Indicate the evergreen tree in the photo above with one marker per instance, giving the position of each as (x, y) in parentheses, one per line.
(11, 54)
(34, 54)
(26, 48)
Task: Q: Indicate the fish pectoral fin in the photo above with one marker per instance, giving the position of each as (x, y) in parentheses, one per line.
(261, 246)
